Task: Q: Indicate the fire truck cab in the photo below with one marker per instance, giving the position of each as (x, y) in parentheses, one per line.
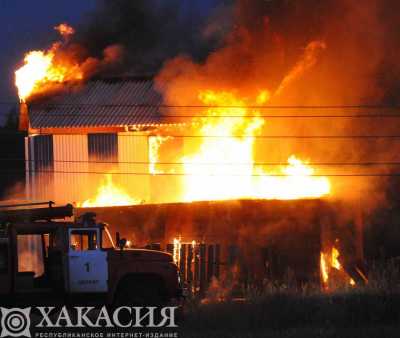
(47, 261)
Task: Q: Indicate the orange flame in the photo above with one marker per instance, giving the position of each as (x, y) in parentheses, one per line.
(223, 167)
(48, 70)
(42, 68)
(324, 269)
(108, 195)
(155, 143)
(176, 255)
(329, 261)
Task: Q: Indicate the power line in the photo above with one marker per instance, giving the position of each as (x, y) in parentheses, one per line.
(197, 175)
(247, 116)
(202, 106)
(279, 136)
(153, 105)
(264, 107)
(261, 107)
(239, 136)
(369, 163)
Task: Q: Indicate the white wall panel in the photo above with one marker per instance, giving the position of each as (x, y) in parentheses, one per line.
(39, 175)
(133, 157)
(71, 182)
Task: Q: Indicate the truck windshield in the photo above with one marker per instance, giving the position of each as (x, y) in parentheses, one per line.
(82, 240)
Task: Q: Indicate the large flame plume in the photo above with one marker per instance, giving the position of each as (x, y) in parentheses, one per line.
(222, 166)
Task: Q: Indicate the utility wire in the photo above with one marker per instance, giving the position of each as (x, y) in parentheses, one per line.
(217, 116)
(239, 136)
(196, 175)
(202, 106)
(277, 136)
(154, 105)
(393, 163)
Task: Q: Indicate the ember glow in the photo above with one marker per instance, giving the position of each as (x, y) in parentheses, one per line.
(64, 29)
(223, 167)
(109, 194)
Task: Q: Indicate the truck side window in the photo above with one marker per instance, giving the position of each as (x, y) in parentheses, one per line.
(82, 240)
(30, 254)
(3, 257)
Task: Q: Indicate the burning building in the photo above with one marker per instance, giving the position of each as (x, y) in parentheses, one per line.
(90, 137)
(155, 177)
(180, 140)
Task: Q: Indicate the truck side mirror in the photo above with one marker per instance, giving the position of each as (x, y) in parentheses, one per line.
(121, 242)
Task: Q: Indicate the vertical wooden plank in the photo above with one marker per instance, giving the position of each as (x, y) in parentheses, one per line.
(189, 263)
(210, 263)
(202, 269)
(196, 279)
(359, 233)
(217, 260)
(182, 263)
(232, 255)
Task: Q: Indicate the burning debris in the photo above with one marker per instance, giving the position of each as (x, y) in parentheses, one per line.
(65, 30)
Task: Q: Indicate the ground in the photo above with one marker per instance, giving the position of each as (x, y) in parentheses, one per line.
(356, 313)
(363, 332)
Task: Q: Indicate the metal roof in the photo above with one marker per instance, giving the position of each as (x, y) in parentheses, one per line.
(114, 102)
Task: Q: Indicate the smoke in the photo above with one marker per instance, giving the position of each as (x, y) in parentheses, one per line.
(150, 32)
(246, 45)
(122, 38)
(310, 52)
(300, 52)
(330, 53)
(271, 39)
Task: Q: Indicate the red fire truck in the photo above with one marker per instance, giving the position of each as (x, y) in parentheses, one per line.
(47, 259)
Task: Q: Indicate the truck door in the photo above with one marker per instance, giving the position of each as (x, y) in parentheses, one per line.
(87, 263)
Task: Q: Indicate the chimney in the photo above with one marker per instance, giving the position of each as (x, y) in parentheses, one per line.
(23, 117)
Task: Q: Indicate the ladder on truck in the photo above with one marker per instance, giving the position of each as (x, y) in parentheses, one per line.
(19, 212)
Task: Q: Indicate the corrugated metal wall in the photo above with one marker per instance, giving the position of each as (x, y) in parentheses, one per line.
(40, 163)
(71, 158)
(134, 148)
(77, 165)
